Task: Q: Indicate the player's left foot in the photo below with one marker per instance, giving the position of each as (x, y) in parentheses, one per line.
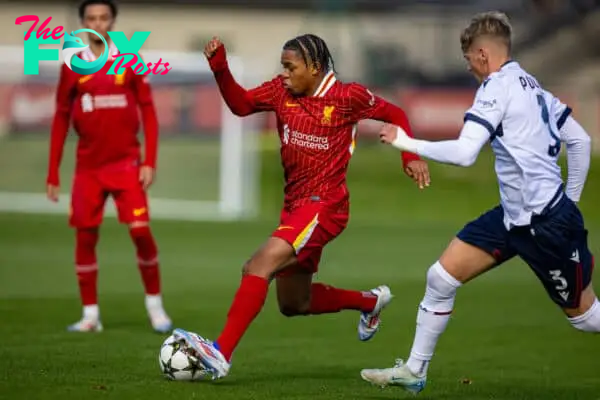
(398, 375)
(206, 352)
(368, 325)
(159, 319)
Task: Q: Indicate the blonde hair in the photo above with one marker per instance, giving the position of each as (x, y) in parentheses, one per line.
(494, 24)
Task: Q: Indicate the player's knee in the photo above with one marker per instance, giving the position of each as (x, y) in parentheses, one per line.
(87, 238)
(441, 289)
(139, 231)
(589, 321)
(85, 248)
(294, 309)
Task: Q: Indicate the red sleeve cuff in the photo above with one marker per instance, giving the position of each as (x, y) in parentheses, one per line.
(52, 179)
(408, 157)
(218, 61)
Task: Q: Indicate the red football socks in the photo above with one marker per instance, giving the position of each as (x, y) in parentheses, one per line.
(247, 303)
(147, 254)
(86, 266)
(325, 299)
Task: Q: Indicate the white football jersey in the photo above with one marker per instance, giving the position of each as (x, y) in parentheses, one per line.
(524, 121)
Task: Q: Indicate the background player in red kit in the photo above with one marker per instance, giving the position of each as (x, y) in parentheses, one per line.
(317, 117)
(104, 111)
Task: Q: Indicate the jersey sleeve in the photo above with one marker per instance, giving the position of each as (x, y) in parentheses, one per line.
(141, 88)
(557, 108)
(60, 124)
(265, 96)
(364, 103)
(489, 105)
(143, 94)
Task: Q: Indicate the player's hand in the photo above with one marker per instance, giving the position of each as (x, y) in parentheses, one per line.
(52, 192)
(146, 176)
(388, 134)
(211, 47)
(419, 172)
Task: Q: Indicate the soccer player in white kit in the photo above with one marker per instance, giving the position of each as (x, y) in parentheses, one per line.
(537, 219)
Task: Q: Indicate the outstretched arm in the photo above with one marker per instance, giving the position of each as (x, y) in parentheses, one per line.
(481, 122)
(240, 101)
(59, 130)
(462, 151)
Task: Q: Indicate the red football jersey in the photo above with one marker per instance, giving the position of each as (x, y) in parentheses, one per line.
(104, 112)
(317, 134)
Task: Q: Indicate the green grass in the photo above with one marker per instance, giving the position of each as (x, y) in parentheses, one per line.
(188, 168)
(505, 337)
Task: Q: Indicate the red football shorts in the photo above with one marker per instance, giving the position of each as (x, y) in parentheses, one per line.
(92, 188)
(308, 229)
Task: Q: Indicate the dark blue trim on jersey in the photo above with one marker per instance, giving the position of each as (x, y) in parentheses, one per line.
(506, 63)
(480, 121)
(563, 117)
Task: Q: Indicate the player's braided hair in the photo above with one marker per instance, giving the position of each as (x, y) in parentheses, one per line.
(110, 3)
(314, 51)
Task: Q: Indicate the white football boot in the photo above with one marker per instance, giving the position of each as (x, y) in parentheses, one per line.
(89, 322)
(159, 319)
(207, 353)
(368, 325)
(86, 325)
(398, 375)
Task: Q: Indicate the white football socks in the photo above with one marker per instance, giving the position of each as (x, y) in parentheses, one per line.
(588, 321)
(432, 318)
(154, 302)
(91, 312)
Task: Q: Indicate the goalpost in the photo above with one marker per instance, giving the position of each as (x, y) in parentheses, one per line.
(208, 158)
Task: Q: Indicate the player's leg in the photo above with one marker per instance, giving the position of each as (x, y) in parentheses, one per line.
(276, 254)
(481, 245)
(298, 295)
(556, 249)
(132, 206)
(247, 304)
(87, 206)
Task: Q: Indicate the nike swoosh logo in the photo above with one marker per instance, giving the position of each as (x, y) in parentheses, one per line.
(284, 227)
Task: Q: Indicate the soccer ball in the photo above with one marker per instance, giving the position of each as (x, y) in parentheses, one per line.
(177, 364)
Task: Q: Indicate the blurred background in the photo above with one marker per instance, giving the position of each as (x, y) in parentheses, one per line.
(405, 50)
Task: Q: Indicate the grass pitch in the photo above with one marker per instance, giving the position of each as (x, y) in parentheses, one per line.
(505, 341)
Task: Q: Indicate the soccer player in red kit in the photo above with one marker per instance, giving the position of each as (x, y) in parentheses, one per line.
(104, 112)
(316, 117)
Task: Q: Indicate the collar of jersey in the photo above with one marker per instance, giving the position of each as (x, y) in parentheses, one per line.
(326, 84)
(509, 63)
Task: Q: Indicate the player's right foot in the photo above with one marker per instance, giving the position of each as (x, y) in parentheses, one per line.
(86, 325)
(398, 375)
(206, 351)
(368, 325)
